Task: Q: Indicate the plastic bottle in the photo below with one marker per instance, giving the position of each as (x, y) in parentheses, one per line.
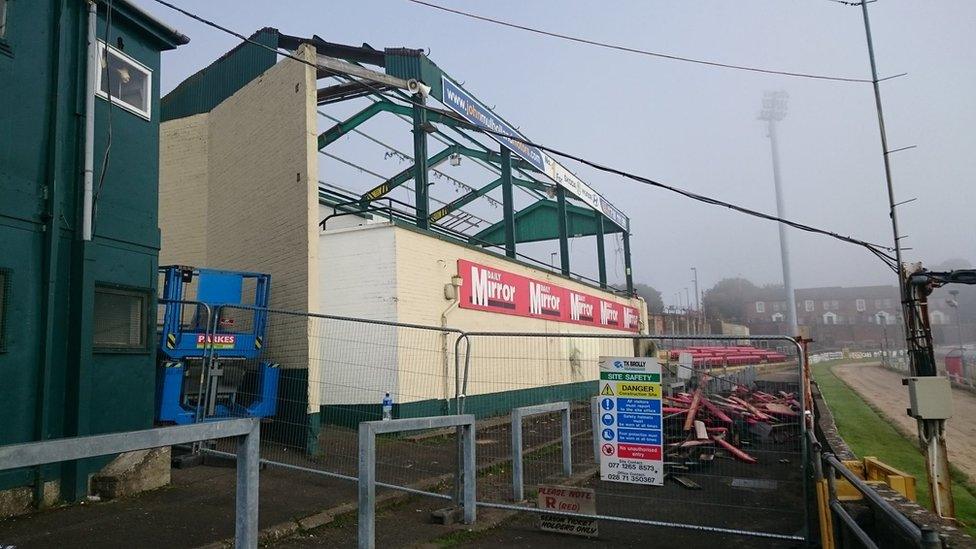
(387, 407)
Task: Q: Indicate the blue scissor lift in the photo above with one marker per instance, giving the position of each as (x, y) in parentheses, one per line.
(204, 361)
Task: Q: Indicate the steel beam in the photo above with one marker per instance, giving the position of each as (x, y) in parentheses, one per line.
(335, 132)
(402, 177)
(563, 230)
(601, 252)
(508, 202)
(627, 270)
(331, 66)
(342, 128)
(464, 199)
(420, 163)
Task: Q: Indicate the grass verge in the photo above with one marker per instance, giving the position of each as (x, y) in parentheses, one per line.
(869, 433)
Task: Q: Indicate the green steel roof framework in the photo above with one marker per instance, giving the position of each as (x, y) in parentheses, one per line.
(543, 220)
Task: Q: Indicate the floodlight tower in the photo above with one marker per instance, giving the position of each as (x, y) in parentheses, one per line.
(773, 111)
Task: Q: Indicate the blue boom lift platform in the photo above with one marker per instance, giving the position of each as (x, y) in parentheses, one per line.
(204, 362)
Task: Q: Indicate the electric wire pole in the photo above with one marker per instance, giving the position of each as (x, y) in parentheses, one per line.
(931, 432)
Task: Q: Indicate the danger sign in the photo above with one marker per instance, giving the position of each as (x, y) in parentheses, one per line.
(631, 433)
(568, 499)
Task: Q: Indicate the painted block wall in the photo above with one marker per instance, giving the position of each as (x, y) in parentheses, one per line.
(395, 273)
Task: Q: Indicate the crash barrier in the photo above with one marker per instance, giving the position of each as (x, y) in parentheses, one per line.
(367, 465)
(566, 441)
(740, 465)
(740, 470)
(246, 431)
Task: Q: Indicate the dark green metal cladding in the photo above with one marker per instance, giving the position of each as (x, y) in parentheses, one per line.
(413, 64)
(539, 221)
(55, 385)
(210, 86)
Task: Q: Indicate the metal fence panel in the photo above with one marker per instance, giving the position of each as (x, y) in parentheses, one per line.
(753, 480)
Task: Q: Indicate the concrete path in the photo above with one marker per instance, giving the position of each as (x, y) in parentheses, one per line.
(883, 389)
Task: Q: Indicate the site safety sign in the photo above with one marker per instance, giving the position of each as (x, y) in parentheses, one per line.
(631, 432)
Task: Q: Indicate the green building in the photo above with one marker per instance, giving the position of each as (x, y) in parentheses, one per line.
(77, 307)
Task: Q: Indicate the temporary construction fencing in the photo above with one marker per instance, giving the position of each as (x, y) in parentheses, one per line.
(744, 469)
(738, 467)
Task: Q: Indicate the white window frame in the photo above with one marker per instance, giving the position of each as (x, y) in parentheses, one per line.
(832, 316)
(861, 305)
(147, 114)
(3, 19)
(808, 305)
(760, 307)
(778, 317)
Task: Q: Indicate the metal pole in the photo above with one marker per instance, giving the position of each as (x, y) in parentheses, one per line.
(628, 271)
(508, 202)
(248, 460)
(563, 230)
(601, 253)
(902, 287)
(518, 493)
(421, 191)
(784, 247)
(931, 432)
(367, 487)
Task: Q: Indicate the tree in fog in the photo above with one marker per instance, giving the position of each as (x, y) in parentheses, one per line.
(726, 299)
(655, 304)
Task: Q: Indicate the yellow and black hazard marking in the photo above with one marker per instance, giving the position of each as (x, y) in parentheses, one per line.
(258, 342)
(607, 391)
(171, 341)
(378, 191)
(438, 214)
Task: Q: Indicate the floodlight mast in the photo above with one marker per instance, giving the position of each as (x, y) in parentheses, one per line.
(774, 106)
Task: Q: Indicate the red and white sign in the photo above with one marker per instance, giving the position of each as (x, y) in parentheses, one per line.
(497, 291)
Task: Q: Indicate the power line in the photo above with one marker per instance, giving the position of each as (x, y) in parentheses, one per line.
(876, 249)
(636, 50)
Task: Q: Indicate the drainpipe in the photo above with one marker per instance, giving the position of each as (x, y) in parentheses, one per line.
(90, 83)
(453, 292)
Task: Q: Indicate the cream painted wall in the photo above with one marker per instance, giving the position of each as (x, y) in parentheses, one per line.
(183, 182)
(357, 278)
(394, 273)
(239, 191)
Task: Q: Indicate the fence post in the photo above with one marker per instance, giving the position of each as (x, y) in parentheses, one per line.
(595, 426)
(248, 458)
(470, 478)
(567, 442)
(367, 486)
(518, 492)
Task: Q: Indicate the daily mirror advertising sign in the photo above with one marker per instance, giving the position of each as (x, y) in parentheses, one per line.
(474, 112)
(631, 434)
(494, 290)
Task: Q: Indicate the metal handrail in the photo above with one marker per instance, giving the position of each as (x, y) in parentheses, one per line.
(880, 503)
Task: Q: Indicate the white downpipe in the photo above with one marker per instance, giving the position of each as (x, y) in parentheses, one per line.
(90, 83)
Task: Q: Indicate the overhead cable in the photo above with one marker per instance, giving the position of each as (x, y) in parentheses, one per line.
(876, 249)
(636, 50)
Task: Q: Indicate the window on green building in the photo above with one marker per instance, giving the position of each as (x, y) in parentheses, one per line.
(119, 319)
(127, 81)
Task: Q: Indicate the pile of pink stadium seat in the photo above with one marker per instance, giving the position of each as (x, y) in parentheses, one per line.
(742, 355)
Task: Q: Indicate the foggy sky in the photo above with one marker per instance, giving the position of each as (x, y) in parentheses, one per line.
(687, 125)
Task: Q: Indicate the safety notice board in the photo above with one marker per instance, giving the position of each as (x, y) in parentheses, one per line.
(631, 434)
